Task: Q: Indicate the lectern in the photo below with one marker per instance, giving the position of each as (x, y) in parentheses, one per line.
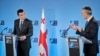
(75, 45)
(9, 45)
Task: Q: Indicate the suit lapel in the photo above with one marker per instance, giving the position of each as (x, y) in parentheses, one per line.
(18, 25)
(89, 23)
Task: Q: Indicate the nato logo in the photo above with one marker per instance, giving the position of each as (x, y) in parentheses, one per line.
(71, 45)
(53, 40)
(2, 22)
(35, 22)
(54, 22)
(8, 41)
(35, 39)
(63, 33)
(76, 22)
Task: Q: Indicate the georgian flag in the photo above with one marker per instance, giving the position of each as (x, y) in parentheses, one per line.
(43, 49)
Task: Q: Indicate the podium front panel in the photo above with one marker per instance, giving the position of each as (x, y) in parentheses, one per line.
(9, 45)
(74, 49)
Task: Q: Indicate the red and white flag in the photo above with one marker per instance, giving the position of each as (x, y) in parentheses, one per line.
(43, 49)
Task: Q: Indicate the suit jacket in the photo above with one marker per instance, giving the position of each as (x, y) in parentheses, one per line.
(27, 30)
(91, 33)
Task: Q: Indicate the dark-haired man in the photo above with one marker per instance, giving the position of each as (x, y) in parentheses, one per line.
(90, 32)
(24, 30)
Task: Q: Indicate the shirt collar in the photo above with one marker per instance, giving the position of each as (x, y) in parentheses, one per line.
(21, 21)
(89, 18)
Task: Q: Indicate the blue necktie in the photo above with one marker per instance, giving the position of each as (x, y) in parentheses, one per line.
(86, 23)
(21, 25)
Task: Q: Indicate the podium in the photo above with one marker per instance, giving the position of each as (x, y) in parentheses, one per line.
(9, 45)
(75, 45)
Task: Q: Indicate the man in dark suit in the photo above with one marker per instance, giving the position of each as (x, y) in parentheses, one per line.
(90, 32)
(24, 30)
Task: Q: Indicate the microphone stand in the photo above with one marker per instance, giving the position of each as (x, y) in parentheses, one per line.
(1, 33)
(64, 32)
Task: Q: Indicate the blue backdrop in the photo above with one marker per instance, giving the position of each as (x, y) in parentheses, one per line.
(58, 14)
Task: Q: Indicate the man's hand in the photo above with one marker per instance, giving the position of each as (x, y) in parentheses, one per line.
(22, 38)
(74, 27)
(79, 29)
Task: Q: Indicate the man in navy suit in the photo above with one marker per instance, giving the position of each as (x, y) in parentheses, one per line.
(90, 32)
(24, 30)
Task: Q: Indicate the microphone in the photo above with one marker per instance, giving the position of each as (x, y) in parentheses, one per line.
(71, 22)
(68, 27)
(66, 31)
(3, 30)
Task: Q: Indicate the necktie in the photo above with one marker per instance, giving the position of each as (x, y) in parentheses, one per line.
(21, 25)
(86, 23)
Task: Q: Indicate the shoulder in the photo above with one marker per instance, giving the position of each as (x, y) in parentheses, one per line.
(28, 20)
(94, 21)
(16, 20)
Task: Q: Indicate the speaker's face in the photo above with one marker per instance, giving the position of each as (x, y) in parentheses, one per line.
(21, 15)
(84, 14)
